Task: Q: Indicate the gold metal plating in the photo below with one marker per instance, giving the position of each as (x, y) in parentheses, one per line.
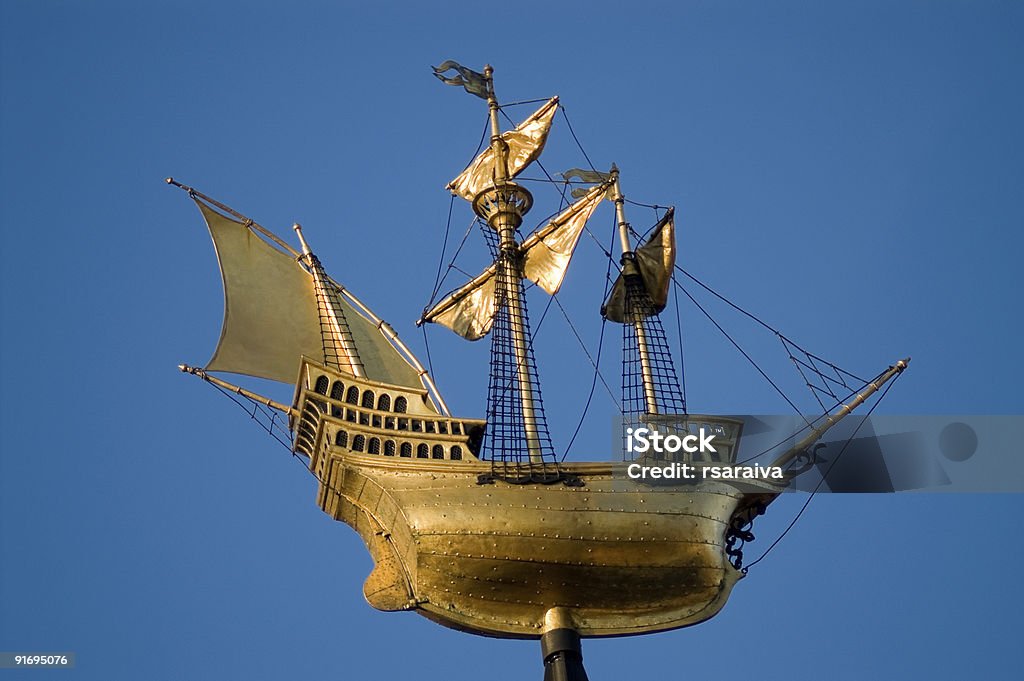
(505, 560)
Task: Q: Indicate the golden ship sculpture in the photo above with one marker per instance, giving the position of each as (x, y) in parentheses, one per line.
(475, 523)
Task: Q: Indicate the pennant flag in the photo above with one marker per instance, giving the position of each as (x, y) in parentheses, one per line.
(588, 176)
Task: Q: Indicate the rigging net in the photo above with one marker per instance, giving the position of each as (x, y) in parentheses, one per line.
(506, 441)
(650, 384)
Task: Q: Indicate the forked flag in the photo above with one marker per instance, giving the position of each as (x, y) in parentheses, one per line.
(475, 83)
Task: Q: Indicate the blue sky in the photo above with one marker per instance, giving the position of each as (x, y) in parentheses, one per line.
(851, 172)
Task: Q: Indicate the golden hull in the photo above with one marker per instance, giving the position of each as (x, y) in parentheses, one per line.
(492, 559)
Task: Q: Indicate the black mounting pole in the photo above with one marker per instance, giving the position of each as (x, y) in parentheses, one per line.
(563, 655)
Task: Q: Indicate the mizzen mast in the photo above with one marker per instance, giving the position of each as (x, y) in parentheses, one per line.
(339, 346)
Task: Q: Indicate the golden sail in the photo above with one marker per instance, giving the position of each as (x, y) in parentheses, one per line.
(524, 145)
(656, 261)
(469, 311)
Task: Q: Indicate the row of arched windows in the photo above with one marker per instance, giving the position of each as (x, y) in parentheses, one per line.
(373, 445)
(368, 400)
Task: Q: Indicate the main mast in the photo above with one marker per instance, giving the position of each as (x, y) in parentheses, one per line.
(503, 206)
(494, 302)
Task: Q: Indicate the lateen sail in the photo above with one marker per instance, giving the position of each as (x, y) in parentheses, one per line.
(469, 311)
(655, 259)
(271, 317)
(524, 146)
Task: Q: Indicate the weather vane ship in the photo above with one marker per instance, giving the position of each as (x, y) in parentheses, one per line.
(479, 524)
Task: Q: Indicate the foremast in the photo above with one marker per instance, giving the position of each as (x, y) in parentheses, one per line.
(630, 272)
(637, 298)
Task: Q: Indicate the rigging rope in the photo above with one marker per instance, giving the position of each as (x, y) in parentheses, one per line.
(525, 101)
(600, 346)
(655, 206)
(737, 346)
(727, 301)
(439, 279)
(810, 362)
(576, 139)
(451, 265)
(593, 383)
(824, 475)
(426, 347)
(809, 424)
(271, 426)
(444, 247)
(812, 366)
(679, 334)
(596, 363)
